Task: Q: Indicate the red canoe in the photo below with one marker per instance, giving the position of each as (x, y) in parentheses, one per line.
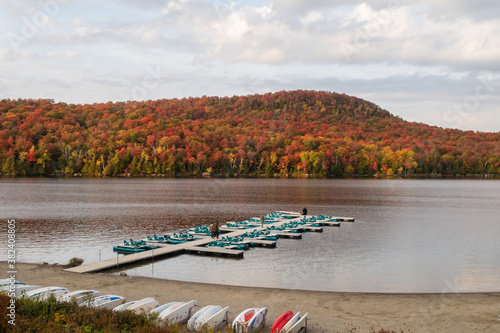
(281, 321)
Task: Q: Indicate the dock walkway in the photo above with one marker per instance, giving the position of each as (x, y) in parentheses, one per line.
(195, 246)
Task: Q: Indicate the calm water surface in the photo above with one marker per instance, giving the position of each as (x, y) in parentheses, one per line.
(409, 235)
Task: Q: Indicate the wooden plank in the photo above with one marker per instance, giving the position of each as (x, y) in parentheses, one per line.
(287, 234)
(261, 242)
(120, 261)
(230, 229)
(331, 224)
(213, 250)
(344, 219)
(310, 228)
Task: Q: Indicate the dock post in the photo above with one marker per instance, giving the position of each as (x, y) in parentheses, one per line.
(116, 260)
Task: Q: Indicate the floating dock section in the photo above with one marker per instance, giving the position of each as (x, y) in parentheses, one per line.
(277, 223)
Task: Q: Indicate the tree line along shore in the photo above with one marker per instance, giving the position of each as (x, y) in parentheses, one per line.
(283, 134)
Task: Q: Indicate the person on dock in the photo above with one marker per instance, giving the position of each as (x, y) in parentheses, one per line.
(216, 228)
(304, 211)
(212, 230)
(262, 219)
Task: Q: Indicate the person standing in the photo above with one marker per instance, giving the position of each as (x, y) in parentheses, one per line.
(212, 230)
(304, 211)
(262, 219)
(216, 229)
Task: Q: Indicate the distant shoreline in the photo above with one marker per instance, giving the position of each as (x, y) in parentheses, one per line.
(225, 176)
(328, 311)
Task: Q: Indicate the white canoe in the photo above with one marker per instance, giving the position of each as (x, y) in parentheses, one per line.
(20, 289)
(299, 325)
(163, 307)
(8, 282)
(217, 320)
(107, 302)
(291, 322)
(124, 306)
(78, 296)
(178, 313)
(194, 318)
(202, 320)
(45, 292)
(144, 305)
(258, 320)
(241, 321)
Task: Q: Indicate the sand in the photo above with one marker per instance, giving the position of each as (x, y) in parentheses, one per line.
(328, 311)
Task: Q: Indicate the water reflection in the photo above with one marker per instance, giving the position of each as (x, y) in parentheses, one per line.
(409, 236)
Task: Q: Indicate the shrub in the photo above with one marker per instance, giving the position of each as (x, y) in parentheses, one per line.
(73, 262)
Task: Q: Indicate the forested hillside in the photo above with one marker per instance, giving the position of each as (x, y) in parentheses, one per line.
(286, 133)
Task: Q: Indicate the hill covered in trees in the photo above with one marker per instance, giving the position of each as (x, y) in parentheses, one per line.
(289, 133)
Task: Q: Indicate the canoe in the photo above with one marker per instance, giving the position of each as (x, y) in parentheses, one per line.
(299, 325)
(163, 307)
(44, 293)
(202, 319)
(124, 306)
(178, 314)
(258, 320)
(249, 320)
(194, 318)
(240, 323)
(291, 322)
(19, 289)
(78, 295)
(105, 302)
(144, 305)
(281, 321)
(8, 282)
(217, 320)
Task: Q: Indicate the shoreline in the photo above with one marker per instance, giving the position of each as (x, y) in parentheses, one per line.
(259, 176)
(328, 311)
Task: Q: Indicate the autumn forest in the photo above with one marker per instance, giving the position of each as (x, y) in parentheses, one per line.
(286, 134)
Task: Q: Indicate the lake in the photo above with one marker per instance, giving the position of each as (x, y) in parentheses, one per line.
(417, 235)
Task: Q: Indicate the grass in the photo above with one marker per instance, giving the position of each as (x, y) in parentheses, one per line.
(51, 316)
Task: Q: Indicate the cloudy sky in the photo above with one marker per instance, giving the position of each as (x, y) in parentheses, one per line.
(436, 62)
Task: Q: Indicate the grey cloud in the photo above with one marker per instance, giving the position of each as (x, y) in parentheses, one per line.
(479, 10)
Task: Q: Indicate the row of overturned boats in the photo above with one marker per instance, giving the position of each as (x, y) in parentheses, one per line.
(207, 319)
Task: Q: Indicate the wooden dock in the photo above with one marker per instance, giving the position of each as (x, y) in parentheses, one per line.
(165, 250)
(344, 219)
(213, 250)
(198, 246)
(288, 234)
(331, 224)
(311, 228)
(261, 242)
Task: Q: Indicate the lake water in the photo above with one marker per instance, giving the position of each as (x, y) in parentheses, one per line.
(409, 235)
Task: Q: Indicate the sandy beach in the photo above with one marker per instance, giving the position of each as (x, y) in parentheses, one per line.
(328, 311)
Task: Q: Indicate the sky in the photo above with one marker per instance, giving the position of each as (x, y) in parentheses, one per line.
(435, 62)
